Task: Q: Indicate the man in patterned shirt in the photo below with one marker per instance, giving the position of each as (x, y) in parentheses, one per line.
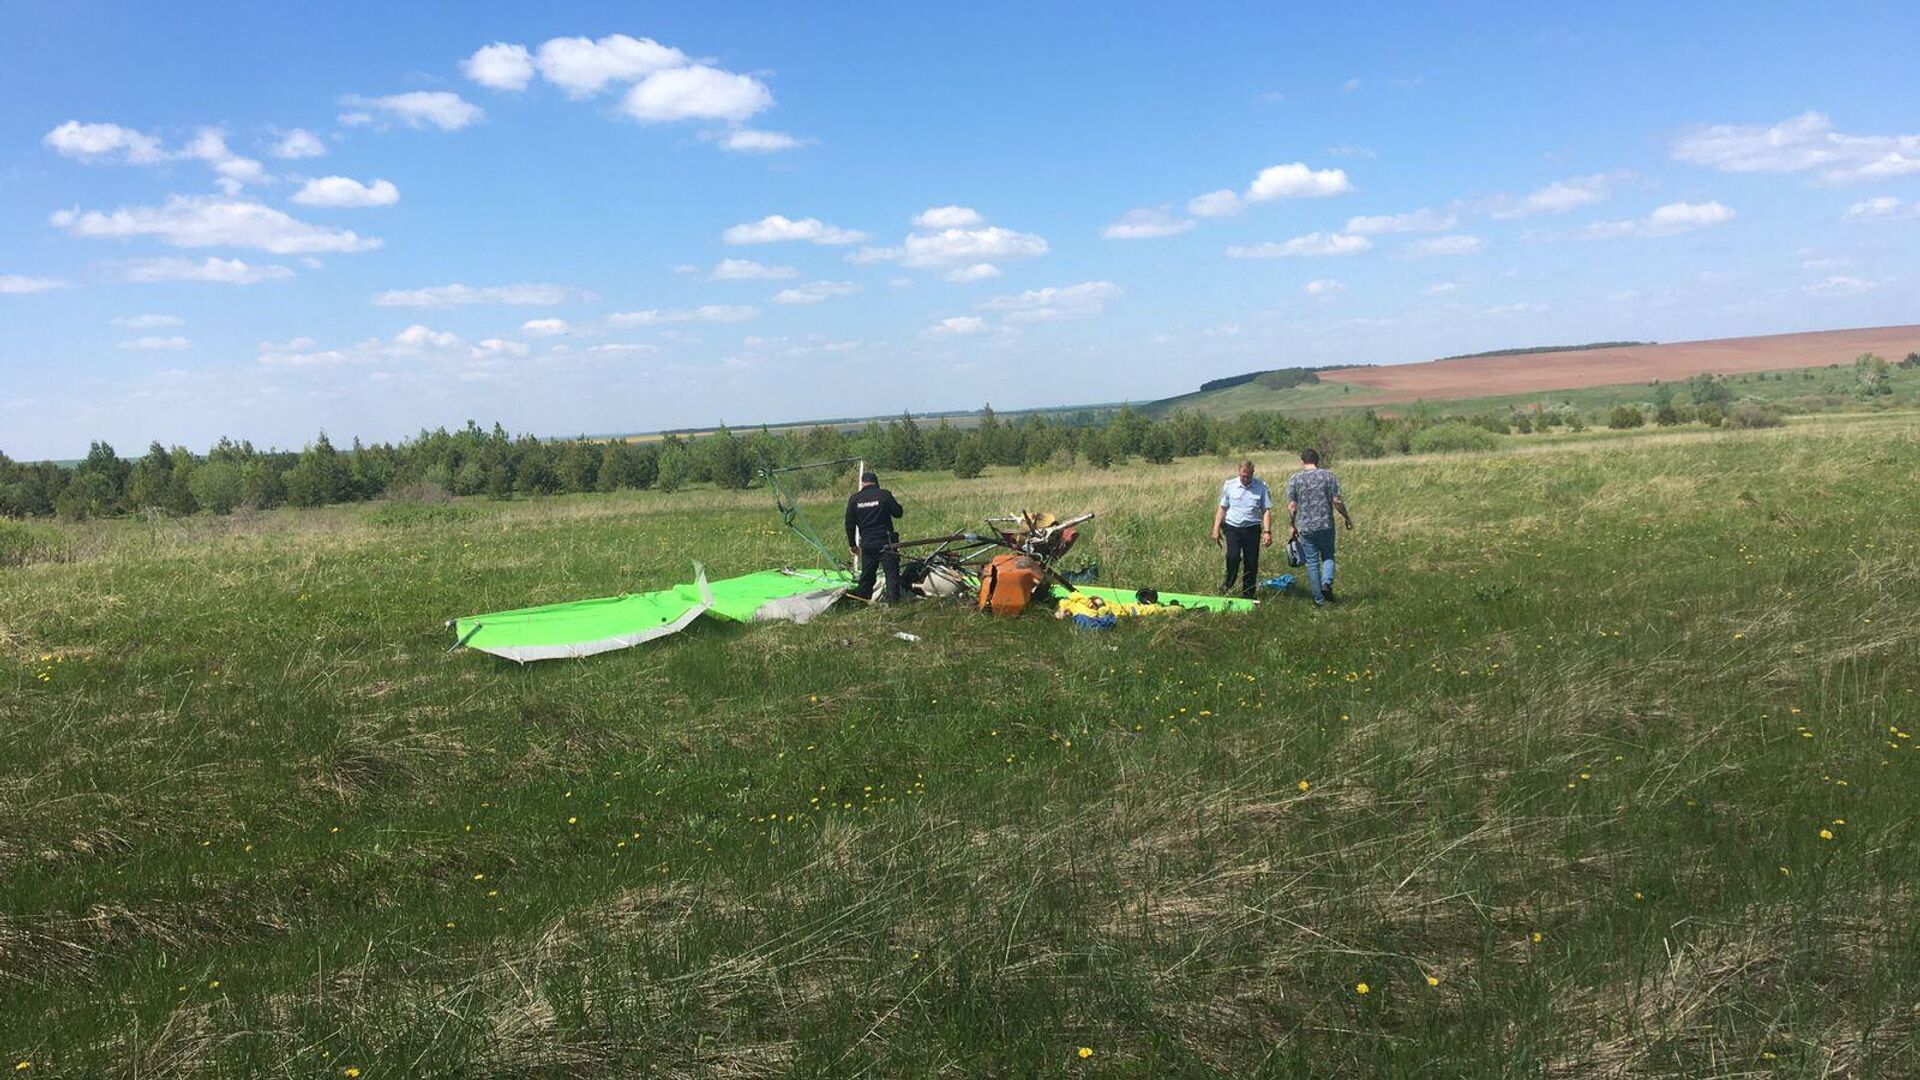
(1312, 497)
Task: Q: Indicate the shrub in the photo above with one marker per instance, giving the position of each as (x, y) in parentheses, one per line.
(1623, 417)
(1454, 436)
(21, 543)
(1751, 415)
(406, 515)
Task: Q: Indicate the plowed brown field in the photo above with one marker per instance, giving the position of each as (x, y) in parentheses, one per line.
(1529, 372)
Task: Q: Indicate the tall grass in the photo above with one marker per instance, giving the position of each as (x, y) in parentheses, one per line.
(1605, 768)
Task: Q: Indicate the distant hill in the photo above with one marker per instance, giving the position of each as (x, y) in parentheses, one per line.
(1532, 370)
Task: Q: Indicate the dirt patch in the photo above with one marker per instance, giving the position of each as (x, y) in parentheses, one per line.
(1526, 373)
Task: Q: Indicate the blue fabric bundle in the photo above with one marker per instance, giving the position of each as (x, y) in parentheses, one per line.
(1281, 583)
(1094, 622)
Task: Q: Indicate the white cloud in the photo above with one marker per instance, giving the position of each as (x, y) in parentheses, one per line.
(1146, 223)
(813, 292)
(209, 271)
(948, 217)
(1669, 220)
(1441, 288)
(1522, 308)
(1803, 143)
(500, 347)
(149, 322)
(417, 109)
(420, 337)
(1842, 286)
(748, 140)
(545, 327)
(1054, 302)
(622, 348)
(956, 326)
(709, 313)
(1445, 245)
(1310, 244)
(748, 270)
(775, 228)
(208, 221)
(500, 65)
(210, 145)
(1421, 220)
(342, 191)
(20, 284)
(102, 142)
(1325, 288)
(299, 143)
(583, 67)
(1350, 150)
(1297, 181)
(970, 245)
(456, 295)
(1350, 86)
(967, 275)
(698, 92)
(1557, 197)
(151, 343)
(1215, 204)
(1882, 208)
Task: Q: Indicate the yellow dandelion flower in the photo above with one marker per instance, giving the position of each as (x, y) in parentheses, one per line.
(23, 1065)
(213, 984)
(1433, 980)
(1784, 872)
(1362, 988)
(1085, 1052)
(350, 1071)
(573, 821)
(1538, 937)
(1303, 785)
(1826, 834)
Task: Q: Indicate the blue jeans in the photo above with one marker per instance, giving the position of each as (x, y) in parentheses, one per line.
(1316, 547)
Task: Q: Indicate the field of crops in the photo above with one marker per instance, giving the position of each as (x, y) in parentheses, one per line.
(1606, 767)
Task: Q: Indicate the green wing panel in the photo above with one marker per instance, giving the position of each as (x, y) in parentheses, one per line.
(586, 627)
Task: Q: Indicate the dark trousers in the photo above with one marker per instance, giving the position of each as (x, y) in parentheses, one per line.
(871, 560)
(1243, 557)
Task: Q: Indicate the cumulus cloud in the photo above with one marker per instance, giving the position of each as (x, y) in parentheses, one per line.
(708, 313)
(948, 217)
(442, 109)
(748, 270)
(1522, 308)
(416, 344)
(1669, 220)
(748, 140)
(149, 322)
(458, 295)
(967, 275)
(1325, 288)
(698, 92)
(21, 284)
(1054, 302)
(1557, 197)
(208, 271)
(1804, 143)
(813, 292)
(1421, 220)
(1882, 208)
(1297, 181)
(775, 228)
(297, 144)
(1310, 244)
(208, 221)
(583, 67)
(956, 326)
(152, 343)
(104, 142)
(1215, 204)
(545, 327)
(1441, 288)
(500, 65)
(342, 191)
(1842, 286)
(234, 172)
(1445, 245)
(1146, 223)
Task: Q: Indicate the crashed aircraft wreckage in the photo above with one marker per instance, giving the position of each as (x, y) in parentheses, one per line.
(1005, 569)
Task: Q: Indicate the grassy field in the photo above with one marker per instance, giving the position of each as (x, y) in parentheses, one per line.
(1604, 768)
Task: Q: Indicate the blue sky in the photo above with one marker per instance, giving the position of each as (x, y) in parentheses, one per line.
(261, 222)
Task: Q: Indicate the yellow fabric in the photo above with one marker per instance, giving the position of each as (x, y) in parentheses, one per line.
(1082, 604)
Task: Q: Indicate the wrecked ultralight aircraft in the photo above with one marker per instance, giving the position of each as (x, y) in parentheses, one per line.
(1006, 568)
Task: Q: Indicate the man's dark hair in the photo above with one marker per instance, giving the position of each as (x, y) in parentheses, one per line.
(869, 478)
(1309, 456)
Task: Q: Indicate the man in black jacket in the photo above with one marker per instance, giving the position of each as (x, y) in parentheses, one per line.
(870, 515)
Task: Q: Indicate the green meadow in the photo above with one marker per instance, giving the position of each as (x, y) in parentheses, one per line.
(1606, 766)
